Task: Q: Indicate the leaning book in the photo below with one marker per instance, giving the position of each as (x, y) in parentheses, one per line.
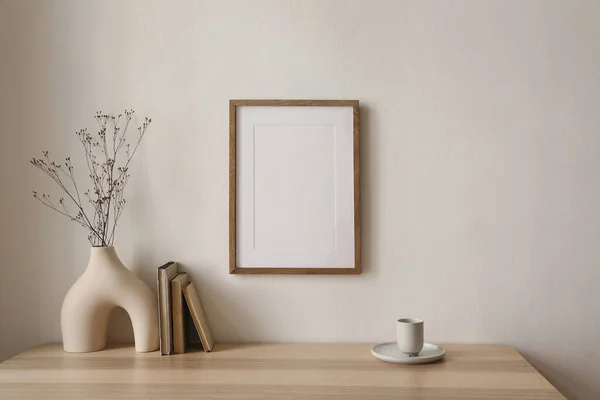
(192, 299)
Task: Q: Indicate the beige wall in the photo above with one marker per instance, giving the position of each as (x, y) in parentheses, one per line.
(481, 163)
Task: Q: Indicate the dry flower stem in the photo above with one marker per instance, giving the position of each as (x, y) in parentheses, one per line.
(109, 177)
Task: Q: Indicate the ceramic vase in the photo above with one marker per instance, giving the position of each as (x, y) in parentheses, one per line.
(106, 284)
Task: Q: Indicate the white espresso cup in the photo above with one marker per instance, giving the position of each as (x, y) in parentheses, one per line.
(409, 336)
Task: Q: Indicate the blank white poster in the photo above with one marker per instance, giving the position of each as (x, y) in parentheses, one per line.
(295, 206)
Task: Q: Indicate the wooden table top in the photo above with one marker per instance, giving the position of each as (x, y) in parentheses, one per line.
(271, 371)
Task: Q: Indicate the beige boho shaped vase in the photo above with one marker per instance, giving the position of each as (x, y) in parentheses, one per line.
(106, 284)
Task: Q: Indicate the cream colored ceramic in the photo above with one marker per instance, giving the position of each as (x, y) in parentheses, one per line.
(106, 284)
(409, 332)
(390, 352)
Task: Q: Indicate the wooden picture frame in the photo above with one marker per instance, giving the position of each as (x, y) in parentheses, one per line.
(328, 131)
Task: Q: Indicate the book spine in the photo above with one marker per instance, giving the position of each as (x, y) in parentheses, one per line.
(164, 312)
(178, 316)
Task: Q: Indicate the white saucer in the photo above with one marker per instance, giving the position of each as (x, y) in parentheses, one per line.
(390, 352)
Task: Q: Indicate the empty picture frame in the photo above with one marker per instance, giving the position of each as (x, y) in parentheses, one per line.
(294, 187)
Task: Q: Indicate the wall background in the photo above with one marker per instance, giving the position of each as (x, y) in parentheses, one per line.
(480, 162)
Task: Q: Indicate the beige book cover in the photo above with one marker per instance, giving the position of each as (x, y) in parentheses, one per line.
(192, 299)
(165, 274)
(179, 311)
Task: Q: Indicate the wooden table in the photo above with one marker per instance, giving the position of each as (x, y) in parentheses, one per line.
(271, 371)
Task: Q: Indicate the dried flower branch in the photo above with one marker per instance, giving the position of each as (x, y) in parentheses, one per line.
(109, 176)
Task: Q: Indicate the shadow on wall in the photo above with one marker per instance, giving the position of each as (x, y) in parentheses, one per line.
(230, 319)
(120, 329)
(366, 191)
(561, 380)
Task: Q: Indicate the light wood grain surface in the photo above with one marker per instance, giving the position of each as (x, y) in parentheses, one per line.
(271, 371)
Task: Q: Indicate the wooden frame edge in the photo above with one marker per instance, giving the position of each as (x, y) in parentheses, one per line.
(232, 187)
(294, 271)
(233, 269)
(294, 103)
(356, 158)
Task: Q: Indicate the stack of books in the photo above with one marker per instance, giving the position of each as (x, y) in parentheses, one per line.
(181, 317)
